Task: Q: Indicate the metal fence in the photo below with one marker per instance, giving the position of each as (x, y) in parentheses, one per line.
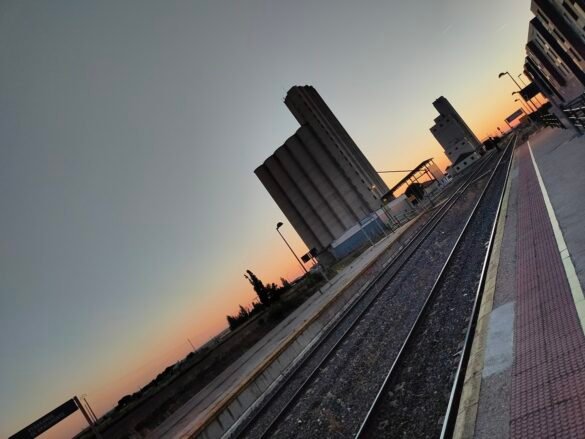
(575, 112)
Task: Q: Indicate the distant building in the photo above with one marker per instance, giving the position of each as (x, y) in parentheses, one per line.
(462, 162)
(319, 178)
(453, 134)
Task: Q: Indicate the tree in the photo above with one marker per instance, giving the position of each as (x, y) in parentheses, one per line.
(125, 400)
(285, 284)
(237, 320)
(261, 290)
(232, 322)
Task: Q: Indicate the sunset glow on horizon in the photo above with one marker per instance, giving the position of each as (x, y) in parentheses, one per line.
(131, 208)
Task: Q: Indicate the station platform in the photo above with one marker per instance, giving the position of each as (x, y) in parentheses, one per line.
(266, 360)
(526, 373)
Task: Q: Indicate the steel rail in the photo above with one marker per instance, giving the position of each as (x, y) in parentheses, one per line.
(455, 396)
(431, 294)
(424, 232)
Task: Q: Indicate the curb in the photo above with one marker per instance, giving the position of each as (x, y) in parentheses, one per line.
(467, 413)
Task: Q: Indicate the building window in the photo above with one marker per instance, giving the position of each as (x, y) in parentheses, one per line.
(471, 157)
(569, 9)
(564, 70)
(574, 55)
(559, 36)
(542, 17)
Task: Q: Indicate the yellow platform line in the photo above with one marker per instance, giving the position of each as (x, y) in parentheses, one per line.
(574, 284)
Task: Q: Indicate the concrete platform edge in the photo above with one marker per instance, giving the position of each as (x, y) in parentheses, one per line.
(198, 428)
(467, 413)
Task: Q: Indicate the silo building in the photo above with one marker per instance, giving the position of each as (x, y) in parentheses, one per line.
(461, 145)
(319, 178)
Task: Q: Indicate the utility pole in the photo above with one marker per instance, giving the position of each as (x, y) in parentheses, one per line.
(87, 417)
(278, 226)
(84, 397)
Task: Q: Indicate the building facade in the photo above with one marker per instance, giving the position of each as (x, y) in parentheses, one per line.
(319, 178)
(452, 132)
(555, 52)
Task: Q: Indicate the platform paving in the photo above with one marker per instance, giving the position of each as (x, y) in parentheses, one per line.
(532, 351)
(548, 384)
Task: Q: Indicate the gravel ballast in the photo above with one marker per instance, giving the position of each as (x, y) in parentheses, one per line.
(337, 398)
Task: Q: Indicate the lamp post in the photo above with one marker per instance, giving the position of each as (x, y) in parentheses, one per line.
(517, 85)
(523, 106)
(521, 80)
(524, 84)
(530, 104)
(507, 73)
(278, 226)
(84, 397)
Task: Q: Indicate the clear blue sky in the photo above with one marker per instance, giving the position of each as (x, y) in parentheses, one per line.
(130, 131)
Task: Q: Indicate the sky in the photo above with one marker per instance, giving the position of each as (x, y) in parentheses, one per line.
(130, 132)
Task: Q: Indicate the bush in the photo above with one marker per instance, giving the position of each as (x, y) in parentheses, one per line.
(239, 319)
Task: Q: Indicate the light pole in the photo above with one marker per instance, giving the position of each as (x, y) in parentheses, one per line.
(84, 397)
(278, 226)
(530, 104)
(524, 84)
(523, 106)
(521, 80)
(517, 85)
(507, 73)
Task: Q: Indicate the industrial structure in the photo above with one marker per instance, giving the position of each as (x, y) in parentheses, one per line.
(320, 179)
(461, 145)
(426, 173)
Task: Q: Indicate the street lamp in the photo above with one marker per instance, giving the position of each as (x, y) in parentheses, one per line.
(507, 73)
(517, 85)
(530, 104)
(278, 226)
(524, 106)
(521, 80)
(523, 83)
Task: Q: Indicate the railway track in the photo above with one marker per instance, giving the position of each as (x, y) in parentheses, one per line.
(276, 415)
(419, 396)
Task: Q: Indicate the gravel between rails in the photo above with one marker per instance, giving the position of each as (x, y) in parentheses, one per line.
(339, 397)
(416, 396)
